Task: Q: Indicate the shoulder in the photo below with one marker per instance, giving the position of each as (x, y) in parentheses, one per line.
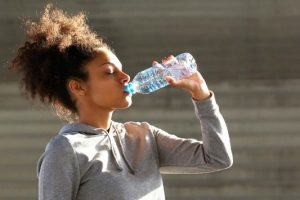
(134, 129)
(137, 126)
(57, 151)
(60, 144)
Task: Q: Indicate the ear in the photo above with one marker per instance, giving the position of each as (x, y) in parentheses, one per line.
(76, 87)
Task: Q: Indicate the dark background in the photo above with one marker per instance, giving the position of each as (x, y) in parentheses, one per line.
(248, 52)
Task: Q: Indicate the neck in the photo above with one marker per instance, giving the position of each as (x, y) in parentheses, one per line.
(99, 118)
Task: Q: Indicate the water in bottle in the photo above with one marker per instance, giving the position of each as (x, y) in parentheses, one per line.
(153, 78)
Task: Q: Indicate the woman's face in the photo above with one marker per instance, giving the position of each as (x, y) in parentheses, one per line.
(104, 87)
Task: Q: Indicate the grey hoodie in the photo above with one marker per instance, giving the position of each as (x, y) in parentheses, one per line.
(88, 163)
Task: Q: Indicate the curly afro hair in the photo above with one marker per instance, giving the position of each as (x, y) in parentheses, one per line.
(55, 50)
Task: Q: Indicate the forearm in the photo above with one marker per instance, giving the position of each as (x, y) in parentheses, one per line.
(182, 155)
(216, 142)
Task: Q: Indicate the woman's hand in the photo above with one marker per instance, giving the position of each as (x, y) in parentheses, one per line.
(194, 84)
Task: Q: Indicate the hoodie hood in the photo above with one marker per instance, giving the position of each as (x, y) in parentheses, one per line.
(116, 146)
(84, 129)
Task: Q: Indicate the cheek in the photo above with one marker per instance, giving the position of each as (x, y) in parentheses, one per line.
(97, 85)
(102, 92)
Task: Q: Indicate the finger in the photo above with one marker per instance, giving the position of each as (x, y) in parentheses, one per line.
(169, 59)
(157, 65)
(176, 83)
(154, 63)
(170, 80)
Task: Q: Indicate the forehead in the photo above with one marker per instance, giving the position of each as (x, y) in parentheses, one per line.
(103, 57)
(106, 56)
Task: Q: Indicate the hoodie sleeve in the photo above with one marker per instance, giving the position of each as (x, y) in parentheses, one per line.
(179, 155)
(58, 171)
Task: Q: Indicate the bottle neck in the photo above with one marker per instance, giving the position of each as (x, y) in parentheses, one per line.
(130, 88)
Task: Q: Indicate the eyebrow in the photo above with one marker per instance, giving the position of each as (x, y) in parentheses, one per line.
(108, 63)
(111, 64)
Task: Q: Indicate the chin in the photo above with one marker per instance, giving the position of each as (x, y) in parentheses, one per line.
(123, 107)
(126, 104)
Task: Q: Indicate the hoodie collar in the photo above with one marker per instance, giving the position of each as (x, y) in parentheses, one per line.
(84, 128)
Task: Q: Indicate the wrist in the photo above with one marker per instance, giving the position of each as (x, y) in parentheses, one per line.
(201, 95)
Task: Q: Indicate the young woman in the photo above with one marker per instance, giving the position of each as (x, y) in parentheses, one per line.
(67, 66)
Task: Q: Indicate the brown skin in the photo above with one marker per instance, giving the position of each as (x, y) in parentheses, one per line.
(106, 77)
(195, 84)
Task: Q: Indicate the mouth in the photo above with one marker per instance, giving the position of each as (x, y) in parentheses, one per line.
(127, 94)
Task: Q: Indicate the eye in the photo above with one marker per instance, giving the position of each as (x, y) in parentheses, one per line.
(110, 72)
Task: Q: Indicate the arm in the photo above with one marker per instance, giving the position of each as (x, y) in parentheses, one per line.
(58, 171)
(178, 155)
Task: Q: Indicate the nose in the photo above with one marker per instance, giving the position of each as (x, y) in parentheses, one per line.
(125, 78)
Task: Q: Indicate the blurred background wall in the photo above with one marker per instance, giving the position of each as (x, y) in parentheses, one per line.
(248, 52)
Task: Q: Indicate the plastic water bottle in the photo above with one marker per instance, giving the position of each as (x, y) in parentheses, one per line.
(151, 79)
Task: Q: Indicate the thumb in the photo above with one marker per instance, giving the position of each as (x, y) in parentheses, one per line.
(170, 80)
